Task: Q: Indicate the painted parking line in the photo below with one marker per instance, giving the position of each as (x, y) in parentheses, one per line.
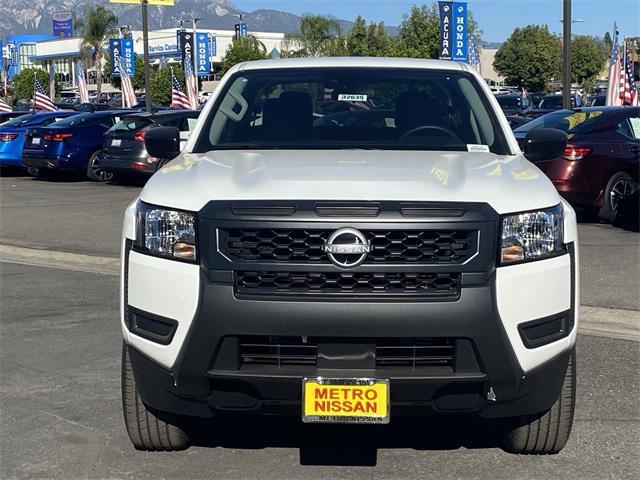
(598, 321)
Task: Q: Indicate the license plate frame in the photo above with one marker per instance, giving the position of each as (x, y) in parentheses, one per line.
(35, 140)
(116, 142)
(350, 418)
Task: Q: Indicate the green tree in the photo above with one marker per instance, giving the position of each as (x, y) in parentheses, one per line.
(608, 42)
(419, 33)
(243, 50)
(23, 83)
(138, 77)
(161, 84)
(588, 59)
(530, 57)
(96, 25)
(380, 43)
(357, 39)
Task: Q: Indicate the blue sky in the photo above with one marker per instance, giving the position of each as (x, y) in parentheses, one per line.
(497, 18)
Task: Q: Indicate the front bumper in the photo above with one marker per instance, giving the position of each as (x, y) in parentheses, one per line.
(193, 362)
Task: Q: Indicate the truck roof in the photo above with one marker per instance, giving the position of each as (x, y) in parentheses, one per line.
(371, 62)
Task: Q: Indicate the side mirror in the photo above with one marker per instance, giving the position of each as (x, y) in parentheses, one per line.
(544, 144)
(163, 142)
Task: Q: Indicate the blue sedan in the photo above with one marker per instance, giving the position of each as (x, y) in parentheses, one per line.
(12, 134)
(72, 144)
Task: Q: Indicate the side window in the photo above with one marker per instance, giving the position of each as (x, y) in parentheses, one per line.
(191, 122)
(635, 127)
(176, 122)
(624, 127)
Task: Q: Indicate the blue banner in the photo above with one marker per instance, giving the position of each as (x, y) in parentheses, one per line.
(460, 45)
(122, 47)
(62, 24)
(241, 30)
(203, 61)
(114, 55)
(129, 57)
(1, 58)
(213, 49)
(446, 30)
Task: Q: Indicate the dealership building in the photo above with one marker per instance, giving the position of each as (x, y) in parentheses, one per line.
(40, 51)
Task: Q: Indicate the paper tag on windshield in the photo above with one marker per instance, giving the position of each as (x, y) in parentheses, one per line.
(351, 97)
(477, 148)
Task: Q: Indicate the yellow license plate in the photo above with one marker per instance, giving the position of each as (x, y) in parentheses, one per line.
(345, 400)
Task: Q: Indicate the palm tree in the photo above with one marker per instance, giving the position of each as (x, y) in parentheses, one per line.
(97, 25)
(318, 35)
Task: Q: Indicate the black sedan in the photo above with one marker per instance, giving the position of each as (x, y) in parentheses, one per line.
(553, 102)
(515, 104)
(124, 151)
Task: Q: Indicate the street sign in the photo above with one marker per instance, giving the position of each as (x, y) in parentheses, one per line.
(160, 3)
(203, 61)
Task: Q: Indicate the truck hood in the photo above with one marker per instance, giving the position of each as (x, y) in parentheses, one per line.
(507, 183)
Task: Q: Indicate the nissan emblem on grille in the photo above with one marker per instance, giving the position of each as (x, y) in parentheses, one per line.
(347, 247)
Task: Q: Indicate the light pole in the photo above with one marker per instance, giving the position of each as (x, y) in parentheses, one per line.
(566, 54)
(145, 46)
(194, 51)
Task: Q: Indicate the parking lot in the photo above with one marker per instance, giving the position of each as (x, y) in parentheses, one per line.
(60, 364)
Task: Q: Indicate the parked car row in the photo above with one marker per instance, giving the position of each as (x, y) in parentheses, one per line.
(599, 169)
(100, 144)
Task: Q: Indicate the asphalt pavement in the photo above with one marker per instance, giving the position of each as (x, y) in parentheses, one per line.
(60, 414)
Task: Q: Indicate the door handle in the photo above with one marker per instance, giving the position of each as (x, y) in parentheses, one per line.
(634, 149)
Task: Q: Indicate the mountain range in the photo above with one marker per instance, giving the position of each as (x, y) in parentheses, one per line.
(34, 16)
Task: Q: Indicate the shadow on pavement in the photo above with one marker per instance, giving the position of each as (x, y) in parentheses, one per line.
(345, 445)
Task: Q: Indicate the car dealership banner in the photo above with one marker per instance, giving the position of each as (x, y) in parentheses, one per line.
(62, 24)
(185, 44)
(203, 60)
(122, 48)
(453, 31)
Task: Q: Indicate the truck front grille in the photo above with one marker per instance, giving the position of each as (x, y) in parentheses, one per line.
(389, 352)
(261, 245)
(433, 285)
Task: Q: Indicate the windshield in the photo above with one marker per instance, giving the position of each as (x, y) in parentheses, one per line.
(566, 120)
(130, 124)
(552, 101)
(508, 101)
(346, 108)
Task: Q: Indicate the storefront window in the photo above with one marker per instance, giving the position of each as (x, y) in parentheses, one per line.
(25, 52)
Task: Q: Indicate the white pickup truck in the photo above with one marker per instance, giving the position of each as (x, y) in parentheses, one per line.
(348, 240)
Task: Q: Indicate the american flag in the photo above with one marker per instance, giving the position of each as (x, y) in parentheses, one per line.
(40, 99)
(82, 83)
(128, 94)
(178, 97)
(615, 64)
(474, 55)
(4, 106)
(191, 81)
(628, 90)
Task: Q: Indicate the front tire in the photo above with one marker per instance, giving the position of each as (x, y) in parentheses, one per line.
(545, 433)
(94, 171)
(148, 429)
(619, 187)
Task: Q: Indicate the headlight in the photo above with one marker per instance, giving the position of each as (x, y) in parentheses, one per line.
(166, 233)
(531, 235)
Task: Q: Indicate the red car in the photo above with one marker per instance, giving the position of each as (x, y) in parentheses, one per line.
(600, 167)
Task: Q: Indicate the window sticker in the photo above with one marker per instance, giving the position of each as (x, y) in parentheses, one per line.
(477, 148)
(351, 97)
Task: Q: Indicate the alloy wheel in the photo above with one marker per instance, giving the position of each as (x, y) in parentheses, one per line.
(99, 173)
(620, 190)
